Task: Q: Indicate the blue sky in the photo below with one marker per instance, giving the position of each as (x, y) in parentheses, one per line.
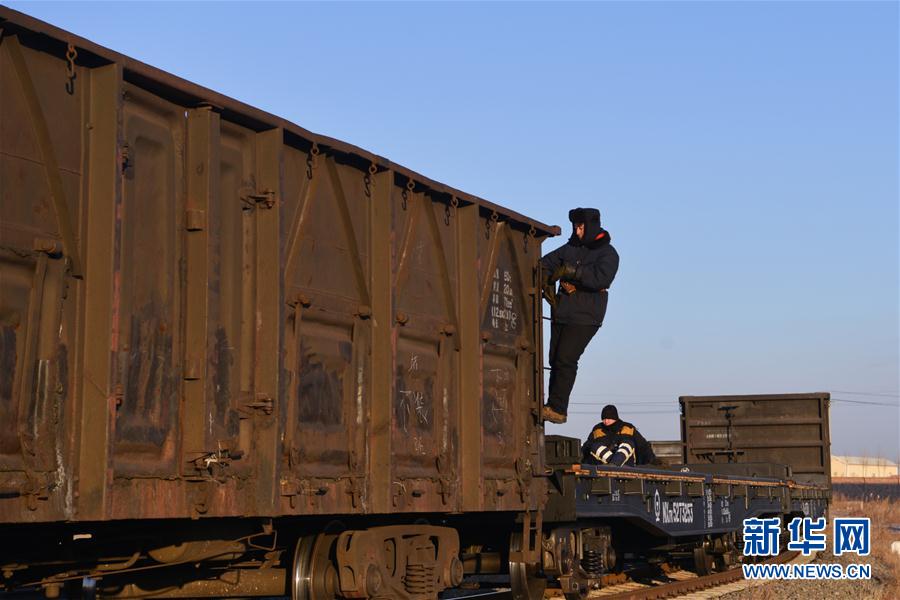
(744, 157)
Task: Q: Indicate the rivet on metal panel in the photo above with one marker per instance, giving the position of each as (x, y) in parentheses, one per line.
(485, 336)
(71, 55)
(364, 311)
(448, 329)
(304, 300)
(402, 318)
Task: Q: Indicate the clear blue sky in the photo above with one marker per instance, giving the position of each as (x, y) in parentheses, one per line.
(744, 157)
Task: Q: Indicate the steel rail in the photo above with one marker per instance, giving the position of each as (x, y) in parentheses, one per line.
(678, 588)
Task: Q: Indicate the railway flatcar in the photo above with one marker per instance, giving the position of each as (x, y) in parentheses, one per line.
(748, 456)
(238, 359)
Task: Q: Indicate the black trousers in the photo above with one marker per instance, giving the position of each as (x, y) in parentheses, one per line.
(567, 344)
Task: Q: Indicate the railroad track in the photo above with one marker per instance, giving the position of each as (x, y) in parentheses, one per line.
(682, 585)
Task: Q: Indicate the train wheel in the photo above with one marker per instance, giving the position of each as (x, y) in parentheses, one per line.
(703, 562)
(726, 554)
(314, 575)
(525, 580)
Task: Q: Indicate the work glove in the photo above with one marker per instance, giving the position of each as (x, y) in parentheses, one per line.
(549, 291)
(564, 271)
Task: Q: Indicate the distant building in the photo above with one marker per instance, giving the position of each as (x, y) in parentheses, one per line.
(863, 466)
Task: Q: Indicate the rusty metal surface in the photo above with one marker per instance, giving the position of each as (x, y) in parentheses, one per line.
(190, 94)
(208, 311)
(784, 429)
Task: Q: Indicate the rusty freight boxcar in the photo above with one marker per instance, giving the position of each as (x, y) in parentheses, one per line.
(239, 358)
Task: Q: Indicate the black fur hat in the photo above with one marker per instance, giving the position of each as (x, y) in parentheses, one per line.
(584, 215)
(609, 412)
(590, 218)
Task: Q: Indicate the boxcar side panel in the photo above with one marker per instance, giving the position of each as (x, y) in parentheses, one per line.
(208, 311)
(41, 167)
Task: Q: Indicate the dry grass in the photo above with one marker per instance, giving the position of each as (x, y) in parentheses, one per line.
(883, 513)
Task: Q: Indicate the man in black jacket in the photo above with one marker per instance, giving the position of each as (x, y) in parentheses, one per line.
(585, 268)
(615, 442)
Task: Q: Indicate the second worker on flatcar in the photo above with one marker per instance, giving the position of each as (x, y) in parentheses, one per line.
(616, 442)
(585, 268)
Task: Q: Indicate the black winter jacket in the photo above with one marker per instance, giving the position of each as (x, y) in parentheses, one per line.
(619, 444)
(596, 263)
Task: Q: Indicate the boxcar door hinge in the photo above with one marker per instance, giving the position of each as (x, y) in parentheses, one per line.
(36, 488)
(399, 490)
(354, 488)
(290, 486)
(447, 489)
(523, 478)
(447, 478)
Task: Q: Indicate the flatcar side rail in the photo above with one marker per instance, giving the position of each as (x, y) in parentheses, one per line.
(663, 475)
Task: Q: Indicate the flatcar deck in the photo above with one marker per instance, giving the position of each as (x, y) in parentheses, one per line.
(678, 503)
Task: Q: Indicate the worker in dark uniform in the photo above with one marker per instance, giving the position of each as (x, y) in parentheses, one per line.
(615, 442)
(585, 268)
